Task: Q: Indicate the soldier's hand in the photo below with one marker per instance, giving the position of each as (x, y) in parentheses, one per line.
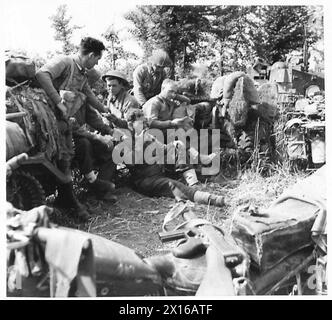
(178, 123)
(108, 140)
(61, 106)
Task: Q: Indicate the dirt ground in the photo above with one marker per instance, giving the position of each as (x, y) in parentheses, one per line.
(135, 220)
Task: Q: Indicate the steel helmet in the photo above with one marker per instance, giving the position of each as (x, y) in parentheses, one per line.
(279, 65)
(115, 74)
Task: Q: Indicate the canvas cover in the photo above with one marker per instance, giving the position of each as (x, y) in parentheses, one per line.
(39, 123)
(16, 142)
(287, 225)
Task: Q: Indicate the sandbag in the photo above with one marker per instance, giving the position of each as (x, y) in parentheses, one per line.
(286, 225)
(16, 142)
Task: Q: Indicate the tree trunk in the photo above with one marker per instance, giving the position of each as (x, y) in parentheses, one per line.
(172, 57)
(221, 65)
(184, 60)
(113, 60)
(305, 51)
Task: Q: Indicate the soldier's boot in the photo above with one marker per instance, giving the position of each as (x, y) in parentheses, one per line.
(107, 171)
(103, 190)
(204, 158)
(208, 198)
(67, 199)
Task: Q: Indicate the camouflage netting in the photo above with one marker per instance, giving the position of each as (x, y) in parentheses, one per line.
(39, 123)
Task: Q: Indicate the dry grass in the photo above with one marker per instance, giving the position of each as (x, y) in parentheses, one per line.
(135, 220)
(250, 191)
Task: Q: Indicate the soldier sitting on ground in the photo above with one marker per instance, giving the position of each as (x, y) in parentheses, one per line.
(94, 151)
(170, 110)
(119, 101)
(150, 180)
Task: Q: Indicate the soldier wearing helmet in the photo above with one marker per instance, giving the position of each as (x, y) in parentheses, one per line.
(119, 101)
(148, 77)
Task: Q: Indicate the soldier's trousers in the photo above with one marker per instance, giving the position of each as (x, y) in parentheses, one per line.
(93, 154)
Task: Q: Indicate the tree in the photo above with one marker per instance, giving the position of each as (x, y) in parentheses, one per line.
(284, 29)
(63, 28)
(231, 35)
(116, 57)
(232, 29)
(177, 29)
(316, 48)
(115, 50)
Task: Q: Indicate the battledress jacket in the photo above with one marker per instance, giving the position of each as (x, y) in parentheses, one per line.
(54, 76)
(147, 83)
(120, 105)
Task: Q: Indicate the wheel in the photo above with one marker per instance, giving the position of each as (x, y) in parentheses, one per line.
(24, 191)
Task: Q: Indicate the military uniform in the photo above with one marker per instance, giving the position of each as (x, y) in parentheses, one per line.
(159, 109)
(66, 73)
(150, 180)
(120, 105)
(90, 150)
(147, 83)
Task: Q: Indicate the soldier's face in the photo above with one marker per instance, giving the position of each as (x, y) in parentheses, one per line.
(92, 60)
(170, 92)
(113, 86)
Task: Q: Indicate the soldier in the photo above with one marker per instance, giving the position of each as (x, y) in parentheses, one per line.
(119, 100)
(148, 77)
(65, 82)
(169, 110)
(149, 179)
(94, 151)
(159, 109)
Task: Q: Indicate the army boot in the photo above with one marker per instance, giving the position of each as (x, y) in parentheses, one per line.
(67, 199)
(103, 190)
(208, 198)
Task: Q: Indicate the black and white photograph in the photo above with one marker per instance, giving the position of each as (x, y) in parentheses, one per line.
(159, 150)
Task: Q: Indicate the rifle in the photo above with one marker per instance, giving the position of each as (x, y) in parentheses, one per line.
(220, 253)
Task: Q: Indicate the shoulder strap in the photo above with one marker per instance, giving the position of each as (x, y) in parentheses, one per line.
(69, 79)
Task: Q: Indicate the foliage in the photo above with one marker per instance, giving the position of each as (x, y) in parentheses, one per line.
(283, 31)
(232, 28)
(173, 28)
(63, 28)
(227, 38)
(116, 57)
